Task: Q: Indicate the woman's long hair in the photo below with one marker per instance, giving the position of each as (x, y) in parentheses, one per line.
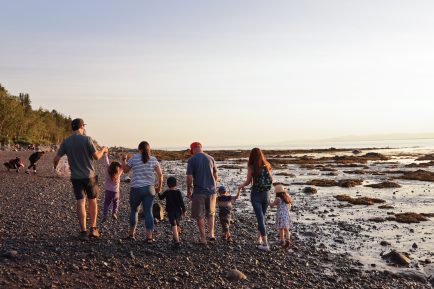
(284, 196)
(257, 161)
(114, 170)
(146, 151)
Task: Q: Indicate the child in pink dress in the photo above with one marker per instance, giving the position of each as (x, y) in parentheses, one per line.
(113, 172)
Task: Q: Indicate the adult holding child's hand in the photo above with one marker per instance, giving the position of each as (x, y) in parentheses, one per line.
(146, 173)
(259, 176)
(81, 152)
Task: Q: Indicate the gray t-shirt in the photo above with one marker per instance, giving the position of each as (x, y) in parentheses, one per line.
(79, 149)
(201, 166)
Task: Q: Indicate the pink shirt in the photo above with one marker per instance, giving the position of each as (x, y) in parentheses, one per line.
(109, 185)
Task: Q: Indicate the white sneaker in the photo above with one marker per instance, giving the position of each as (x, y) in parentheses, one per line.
(263, 247)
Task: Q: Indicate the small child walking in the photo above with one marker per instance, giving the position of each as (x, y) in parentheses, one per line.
(113, 172)
(175, 208)
(225, 202)
(283, 221)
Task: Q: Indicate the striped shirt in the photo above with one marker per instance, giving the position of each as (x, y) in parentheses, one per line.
(143, 174)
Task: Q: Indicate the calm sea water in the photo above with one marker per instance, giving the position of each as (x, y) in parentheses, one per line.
(407, 143)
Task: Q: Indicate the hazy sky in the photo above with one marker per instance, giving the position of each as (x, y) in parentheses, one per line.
(224, 72)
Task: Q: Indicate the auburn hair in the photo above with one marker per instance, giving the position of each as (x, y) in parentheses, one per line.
(114, 170)
(257, 161)
(284, 197)
(146, 151)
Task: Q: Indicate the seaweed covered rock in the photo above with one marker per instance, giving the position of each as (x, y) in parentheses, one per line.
(358, 201)
(428, 157)
(419, 175)
(322, 183)
(410, 218)
(350, 183)
(383, 185)
(310, 190)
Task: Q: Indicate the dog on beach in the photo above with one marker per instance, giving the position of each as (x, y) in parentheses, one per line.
(14, 164)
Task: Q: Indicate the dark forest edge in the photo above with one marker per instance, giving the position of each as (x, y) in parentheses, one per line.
(20, 124)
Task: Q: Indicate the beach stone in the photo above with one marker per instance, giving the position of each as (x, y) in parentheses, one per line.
(414, 275)
(12, 254)
(397, 258)
(235, 275)
(385, 243)
(310, 190)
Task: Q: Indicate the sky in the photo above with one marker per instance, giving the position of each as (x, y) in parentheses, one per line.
(225, 73)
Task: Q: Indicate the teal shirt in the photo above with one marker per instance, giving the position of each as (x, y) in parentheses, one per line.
(79, 149)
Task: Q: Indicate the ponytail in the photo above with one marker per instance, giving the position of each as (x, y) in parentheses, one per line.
(146, 151)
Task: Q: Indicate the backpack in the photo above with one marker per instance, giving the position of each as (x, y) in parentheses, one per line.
(264, 182)
(158, 211)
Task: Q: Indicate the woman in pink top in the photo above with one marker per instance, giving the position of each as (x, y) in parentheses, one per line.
(113, 172)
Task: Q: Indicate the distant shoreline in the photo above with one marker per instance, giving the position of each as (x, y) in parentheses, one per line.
(347, 145)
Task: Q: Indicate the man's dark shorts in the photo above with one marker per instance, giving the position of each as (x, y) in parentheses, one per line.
(85, 186)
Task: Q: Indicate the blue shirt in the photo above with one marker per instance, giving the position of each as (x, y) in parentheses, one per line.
(202, 166)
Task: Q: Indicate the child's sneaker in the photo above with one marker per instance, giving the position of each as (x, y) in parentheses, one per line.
(83, 235)
(263, 247)
(115, 217)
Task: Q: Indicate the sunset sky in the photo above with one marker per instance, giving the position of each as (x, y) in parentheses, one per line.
(224, 72)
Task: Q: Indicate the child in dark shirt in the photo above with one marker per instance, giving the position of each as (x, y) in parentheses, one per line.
(225, 202)
(175, 207)
(34, 158)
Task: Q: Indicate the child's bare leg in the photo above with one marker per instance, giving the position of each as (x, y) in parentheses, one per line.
(179, 229)
(282, 235)
(287, 234)
(287, 238)
(175, 234)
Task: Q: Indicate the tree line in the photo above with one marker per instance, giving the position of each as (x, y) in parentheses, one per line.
(19, 123)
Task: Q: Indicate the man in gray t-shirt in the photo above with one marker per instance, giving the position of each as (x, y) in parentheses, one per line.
(202, 178)
(81, 152)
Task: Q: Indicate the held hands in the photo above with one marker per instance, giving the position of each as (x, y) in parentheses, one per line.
(158, 189)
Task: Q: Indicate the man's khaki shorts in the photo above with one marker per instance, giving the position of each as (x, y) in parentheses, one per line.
(203, 206)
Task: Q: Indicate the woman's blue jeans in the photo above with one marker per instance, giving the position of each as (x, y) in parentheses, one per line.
(143, 195)
(260, 202)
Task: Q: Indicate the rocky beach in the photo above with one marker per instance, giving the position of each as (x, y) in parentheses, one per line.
(362, 219)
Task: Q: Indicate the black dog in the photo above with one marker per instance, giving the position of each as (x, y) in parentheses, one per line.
(14, 164)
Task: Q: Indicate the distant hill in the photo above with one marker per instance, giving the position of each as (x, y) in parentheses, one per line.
(19, 123)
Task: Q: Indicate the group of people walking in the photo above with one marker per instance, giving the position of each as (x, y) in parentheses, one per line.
(147, 183)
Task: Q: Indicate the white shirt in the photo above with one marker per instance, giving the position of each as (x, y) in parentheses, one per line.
(143, 174)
